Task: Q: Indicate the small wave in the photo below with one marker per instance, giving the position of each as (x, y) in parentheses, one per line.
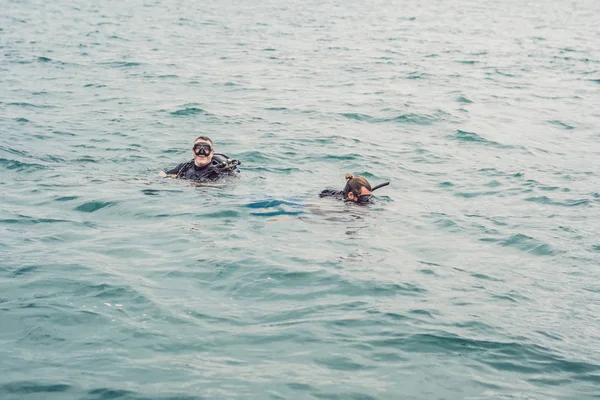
(66, 198)
(551, 188)
(342, 363)
(426, 313)
(524, 243)
(118, 38)
(49, 60)
(93, 206)
(25, 104)
(151, 192)
(122, 394)
(24, 388)
(469, 195)
(63, 133)
(485, 277)
(561, 124)
(121, 64)
(52, 159)
(504, 73)
(375, 288)
(222, 214)
(108, 291)
(107, 394)
(276, 213)
(472, 137)
(506, 356)
(25, 270)
(17, 165)
(568, 203)
(417, 75)
(512, 297)
(188, 111)
(280, 171)
(86, 159)
(338, 157)
(404, 118)
(26, 220)
(12, 150)
(156, 192)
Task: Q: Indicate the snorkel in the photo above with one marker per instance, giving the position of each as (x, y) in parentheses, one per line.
(380, 186)
(366, 198)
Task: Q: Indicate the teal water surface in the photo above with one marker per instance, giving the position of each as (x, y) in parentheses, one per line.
(474, 276)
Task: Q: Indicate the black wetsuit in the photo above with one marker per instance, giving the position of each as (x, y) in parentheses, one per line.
(338, 194)
(220, 167)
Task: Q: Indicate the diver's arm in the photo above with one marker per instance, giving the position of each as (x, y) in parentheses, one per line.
(172, 171)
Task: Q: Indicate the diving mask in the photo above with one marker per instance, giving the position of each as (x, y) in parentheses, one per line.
(202, 149)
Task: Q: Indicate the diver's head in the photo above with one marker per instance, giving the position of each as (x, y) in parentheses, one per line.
(203, 151)
(357, 189)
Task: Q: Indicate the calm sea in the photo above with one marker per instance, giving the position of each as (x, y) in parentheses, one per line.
(476, 275)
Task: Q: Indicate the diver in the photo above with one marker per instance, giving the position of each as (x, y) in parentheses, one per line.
(206, 164)
(357, 190)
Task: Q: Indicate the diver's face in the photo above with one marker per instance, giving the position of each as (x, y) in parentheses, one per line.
(363, 192)
(203, 153)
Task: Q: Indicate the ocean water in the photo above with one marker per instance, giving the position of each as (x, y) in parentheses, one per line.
(476, 275)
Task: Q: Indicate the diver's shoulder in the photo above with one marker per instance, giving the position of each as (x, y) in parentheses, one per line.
(331, 193)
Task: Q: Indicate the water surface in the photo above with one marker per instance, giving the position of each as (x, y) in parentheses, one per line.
(474, 276)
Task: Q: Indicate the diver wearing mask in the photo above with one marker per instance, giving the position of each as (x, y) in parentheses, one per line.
(206, 165)
(357, 190)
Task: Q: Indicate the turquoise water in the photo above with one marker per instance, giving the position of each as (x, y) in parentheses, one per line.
(474, 276)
